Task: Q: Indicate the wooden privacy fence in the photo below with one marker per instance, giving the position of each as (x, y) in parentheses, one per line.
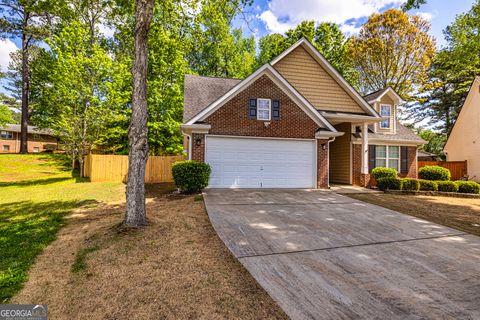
(458, 169)
(101, 167)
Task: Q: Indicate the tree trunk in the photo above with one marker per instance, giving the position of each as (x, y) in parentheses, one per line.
(135, 215)
(25, 88)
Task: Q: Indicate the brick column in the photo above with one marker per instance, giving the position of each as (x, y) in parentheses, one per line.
(359, 178)
(198, 146)
(322, 164)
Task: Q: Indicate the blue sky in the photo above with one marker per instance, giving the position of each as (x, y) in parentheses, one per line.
(270, 16)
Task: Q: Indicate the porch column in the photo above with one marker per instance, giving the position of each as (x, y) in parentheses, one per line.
(364, 169)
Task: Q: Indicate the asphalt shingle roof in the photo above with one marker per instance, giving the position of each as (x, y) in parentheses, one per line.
(31, 129)
(200, 92)
(375, 95)
(403, 134)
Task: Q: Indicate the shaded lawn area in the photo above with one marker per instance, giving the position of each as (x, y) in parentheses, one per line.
(175, 268)
(37, 191)
(459, 213)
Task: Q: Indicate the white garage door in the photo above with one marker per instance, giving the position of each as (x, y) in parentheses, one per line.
(260, 163)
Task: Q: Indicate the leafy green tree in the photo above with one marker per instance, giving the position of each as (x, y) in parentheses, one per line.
(393, 49)
(31, 20)
(435, 141)
(326, 37)
(5, 115)
(412, 4)
(81, 97)
(452, 72)
(187, 37)
(216, 49)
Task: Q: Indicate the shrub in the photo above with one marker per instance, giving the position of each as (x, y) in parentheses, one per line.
(447, 186)
(49, 147)
(380, 172)
(410, 184)
(191, 176)
(468, 186)
(389, 183)
(434, 173)
(427, 185)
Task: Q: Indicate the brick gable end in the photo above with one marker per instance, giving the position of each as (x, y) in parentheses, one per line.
(232, 118)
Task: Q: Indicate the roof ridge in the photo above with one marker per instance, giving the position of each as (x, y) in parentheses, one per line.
(212, 77)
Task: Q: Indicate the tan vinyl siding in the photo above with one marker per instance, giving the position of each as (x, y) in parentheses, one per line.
(340, 155)
(464, 141)
(314, 83)
(393, 111)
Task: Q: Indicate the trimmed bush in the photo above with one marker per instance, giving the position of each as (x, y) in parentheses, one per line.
(380, 172)
(410, 184)
(427, 185)
(191, 176)
(468, 186)
(434, 173)
(447, 186)
(389, 183)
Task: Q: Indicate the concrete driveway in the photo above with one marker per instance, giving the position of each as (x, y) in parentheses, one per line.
(322, 255)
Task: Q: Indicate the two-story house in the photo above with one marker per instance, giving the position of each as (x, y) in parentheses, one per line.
(38, 140)
(294, 123)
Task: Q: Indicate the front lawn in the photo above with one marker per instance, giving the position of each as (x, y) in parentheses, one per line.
(37, 191)
(65, 233)
(459, 213)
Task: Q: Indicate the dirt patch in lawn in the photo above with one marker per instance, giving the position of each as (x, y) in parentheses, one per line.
(459, 213)
(175, 268)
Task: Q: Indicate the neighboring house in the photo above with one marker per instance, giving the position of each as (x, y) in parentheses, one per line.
(464, 140)
(427, 156)
(38, 140)
(294, 123)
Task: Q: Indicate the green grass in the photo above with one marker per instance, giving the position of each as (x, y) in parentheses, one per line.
(36, 192)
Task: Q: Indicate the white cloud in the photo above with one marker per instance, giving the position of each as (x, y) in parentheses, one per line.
(6, 47)
(106, 30)
(349, 29)
(284, 14)
(426, 15)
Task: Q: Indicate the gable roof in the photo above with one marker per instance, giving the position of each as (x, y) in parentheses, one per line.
(273, 74)
(331, 71)
(200, 91)
(460, 116)
(377, 95)
(403, 134)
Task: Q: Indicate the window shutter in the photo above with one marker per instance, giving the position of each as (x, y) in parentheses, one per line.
(252, 108)
(404, 160)
(276, 110)
(371, 157)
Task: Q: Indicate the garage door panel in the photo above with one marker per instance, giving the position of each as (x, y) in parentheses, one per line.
(255, 163)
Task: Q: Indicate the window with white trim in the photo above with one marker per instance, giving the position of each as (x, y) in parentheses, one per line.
(264, 109)
(387, 156)
(385, 111)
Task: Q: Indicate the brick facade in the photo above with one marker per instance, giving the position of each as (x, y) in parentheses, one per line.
(198, 146)
(322, 164)
(232, 118)
(36, 143)
(364, 180)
